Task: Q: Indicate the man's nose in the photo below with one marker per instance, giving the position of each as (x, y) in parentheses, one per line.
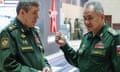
(87, 22)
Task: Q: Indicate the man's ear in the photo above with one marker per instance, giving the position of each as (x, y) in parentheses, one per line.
(103, 16)
(22, 12)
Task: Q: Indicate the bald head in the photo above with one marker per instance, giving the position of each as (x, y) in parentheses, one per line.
(95, 6)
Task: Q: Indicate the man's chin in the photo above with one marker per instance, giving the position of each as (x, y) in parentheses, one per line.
(89, 30)
(31, 27)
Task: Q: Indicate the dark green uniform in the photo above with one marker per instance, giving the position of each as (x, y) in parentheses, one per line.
(21, 48)
(100, 53)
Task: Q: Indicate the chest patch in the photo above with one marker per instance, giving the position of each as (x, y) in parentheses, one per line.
(118, 50)
(99, 45)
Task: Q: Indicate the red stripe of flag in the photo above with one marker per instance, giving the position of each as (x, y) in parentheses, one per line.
(53, 13)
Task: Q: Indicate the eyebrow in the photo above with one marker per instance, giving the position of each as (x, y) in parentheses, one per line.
(87, 16)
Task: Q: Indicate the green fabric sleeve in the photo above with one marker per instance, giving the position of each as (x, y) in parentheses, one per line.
(116, 54)
(70, 54)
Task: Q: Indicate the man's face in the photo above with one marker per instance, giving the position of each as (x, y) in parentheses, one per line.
(93, 21)
(31, 17)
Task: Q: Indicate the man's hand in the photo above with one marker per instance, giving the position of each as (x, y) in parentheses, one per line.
(39, 71)
(60, 39)
(47, 69)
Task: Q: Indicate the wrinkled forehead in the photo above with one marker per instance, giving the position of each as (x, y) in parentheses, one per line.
(36, 8)
(89, 12)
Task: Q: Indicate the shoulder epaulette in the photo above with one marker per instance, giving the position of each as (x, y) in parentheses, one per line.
(112, 31)
(12, 27)
(37, 29)
(86, 33)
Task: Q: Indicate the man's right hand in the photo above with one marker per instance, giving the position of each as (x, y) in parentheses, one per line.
(39, 71)
(60, 39)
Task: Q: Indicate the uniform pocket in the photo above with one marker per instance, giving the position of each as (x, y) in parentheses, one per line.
(98, 52)
(98, 55)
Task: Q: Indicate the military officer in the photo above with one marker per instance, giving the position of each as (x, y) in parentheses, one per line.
(21, 47)
(77, 29)
(100, 47)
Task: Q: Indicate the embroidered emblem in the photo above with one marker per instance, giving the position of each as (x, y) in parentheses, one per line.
(118, 47)
(23, 36)
(10, 28)
(80, 51)
(40, 46)
(99, 45)
(25, 42)
(118, 53)
(27, 48)
(22, 30)
(101, 34)
(98, 52)
(118, 50)
(4, 42)
(36, 39)
(83, 46)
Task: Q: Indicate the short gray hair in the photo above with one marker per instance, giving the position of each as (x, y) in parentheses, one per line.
(98, 8)
(26, 4)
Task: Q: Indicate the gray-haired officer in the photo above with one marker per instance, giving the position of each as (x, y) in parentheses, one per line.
(20, 44)
(100, 47)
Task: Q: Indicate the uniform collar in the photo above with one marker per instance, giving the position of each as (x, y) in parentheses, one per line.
(99, 34)
(102, 31)
(22, 27)
(90, 35)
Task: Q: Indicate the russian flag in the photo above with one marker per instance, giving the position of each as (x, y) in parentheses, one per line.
(118, 47)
